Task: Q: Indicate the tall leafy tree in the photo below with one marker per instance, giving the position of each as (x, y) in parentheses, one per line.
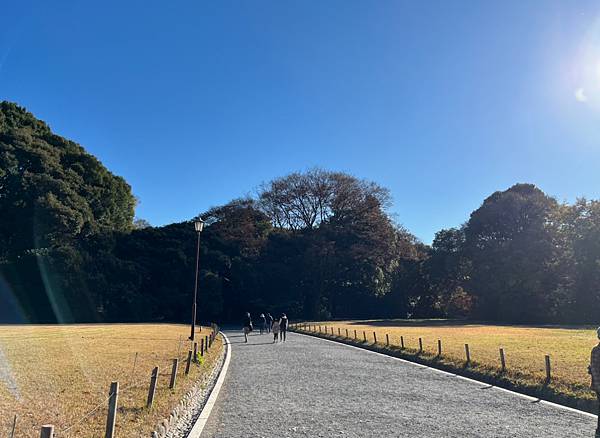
(510, 243)
(448, 270)
(581, 261)
(52, 195)
(51, 190)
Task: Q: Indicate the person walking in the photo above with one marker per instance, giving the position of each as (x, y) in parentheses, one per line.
(247, 326)
(269, 322)
(594, 370)
(283, 326)
(263, 323)
(275, 329)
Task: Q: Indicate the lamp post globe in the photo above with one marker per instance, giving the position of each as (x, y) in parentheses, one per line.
(198, 226)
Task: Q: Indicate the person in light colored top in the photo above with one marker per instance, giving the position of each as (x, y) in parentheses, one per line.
(275, 329)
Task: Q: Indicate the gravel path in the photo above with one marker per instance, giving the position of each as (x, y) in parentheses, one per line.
(314, 388)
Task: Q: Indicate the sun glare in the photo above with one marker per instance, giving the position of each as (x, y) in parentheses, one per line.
(586, 69)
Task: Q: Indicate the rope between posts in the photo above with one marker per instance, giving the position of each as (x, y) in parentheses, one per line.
(131, 385)
(85, 416)
(98, 406)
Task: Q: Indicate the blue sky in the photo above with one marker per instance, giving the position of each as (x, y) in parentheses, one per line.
(196, 103)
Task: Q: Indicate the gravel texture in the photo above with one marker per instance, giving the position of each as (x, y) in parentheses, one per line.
(183, 417)
(314, 388)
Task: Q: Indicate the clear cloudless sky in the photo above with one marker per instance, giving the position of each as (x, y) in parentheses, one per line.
(195, 103)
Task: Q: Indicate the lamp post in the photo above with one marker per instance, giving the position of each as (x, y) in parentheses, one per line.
(199, 226)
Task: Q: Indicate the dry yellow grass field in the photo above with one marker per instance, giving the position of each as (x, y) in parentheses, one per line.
(58, 374)
(525, 348)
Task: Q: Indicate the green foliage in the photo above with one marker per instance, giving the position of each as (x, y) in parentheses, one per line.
(510, 242)
(53, 195)
(51, 190)
(317, 244)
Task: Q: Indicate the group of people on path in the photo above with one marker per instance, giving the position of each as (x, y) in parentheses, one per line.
(268, 324)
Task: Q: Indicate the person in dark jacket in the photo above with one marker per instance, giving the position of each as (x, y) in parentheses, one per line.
(263, 323)
(283, 326)
(594, 370)
(269, 322)
(247, 326)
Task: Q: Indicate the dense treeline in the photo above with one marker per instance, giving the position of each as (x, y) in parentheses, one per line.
(317, 244)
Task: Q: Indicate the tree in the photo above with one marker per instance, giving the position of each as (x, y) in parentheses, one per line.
(53, 195)
(305, 200)
(510, 243)
(581, 259)
(448, 272)
(51, 190)
(140, 224)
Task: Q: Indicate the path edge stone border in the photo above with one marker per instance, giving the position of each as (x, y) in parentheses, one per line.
(586, 409)
(200, 423)
(165, 427)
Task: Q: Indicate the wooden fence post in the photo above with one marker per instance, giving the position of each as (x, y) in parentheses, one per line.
(111, 418)
(152, 389)
(346, 333)
(548, 371)
(375, 337)
(339, 332)
(364, 336)
(332, 331)
(502, 360)
(468, 354)
(211, 338)
(387, 339)
(202, 347)
(420, 345)
(206, 344)
(196, 351)
(439, 347)
(14, 426)
(355, 335)
(188, 363)
(47, 431)
(174, 373)
(402, 342)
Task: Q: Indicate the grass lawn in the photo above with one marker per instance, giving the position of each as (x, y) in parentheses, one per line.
(524, 347)
(58, 374)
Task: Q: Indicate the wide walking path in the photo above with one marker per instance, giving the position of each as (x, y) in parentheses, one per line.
(309, 387)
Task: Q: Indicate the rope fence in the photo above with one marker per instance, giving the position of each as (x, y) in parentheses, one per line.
(419, 350)
(109, 402)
